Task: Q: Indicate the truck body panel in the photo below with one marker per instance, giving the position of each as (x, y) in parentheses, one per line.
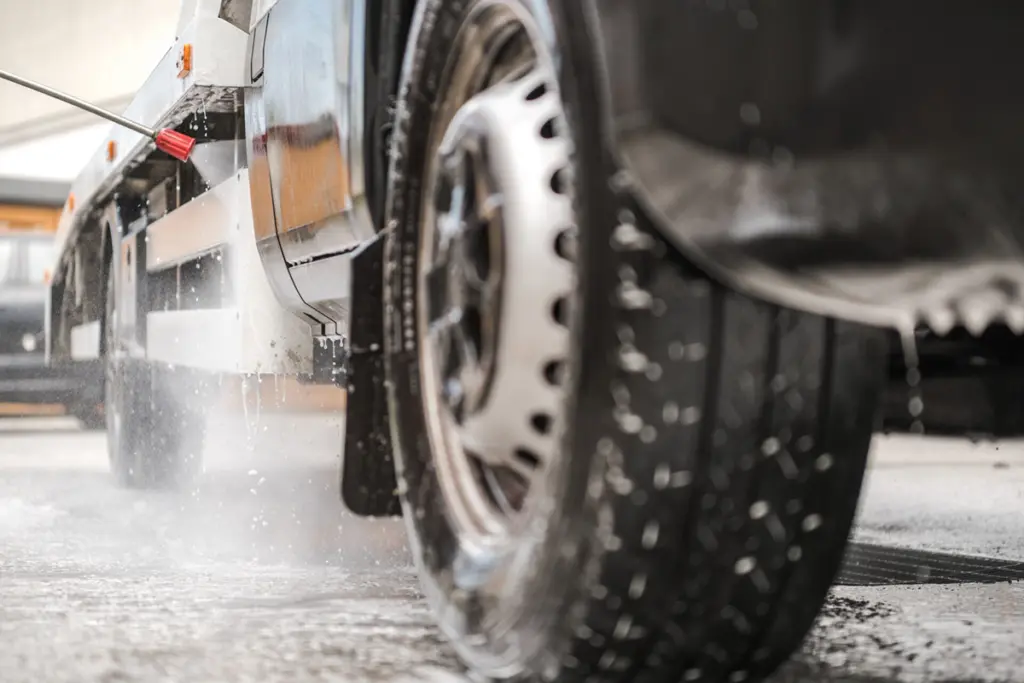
(304, 140)
(239, 261)
(164, 100)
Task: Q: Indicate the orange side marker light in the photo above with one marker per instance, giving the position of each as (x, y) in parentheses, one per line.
(184, 63)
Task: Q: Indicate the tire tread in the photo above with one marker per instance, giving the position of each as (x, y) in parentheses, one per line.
(771, 376)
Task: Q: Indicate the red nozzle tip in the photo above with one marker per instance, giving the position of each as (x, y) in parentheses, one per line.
(178, 145)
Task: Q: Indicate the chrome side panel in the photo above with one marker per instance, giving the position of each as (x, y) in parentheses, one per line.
(304, 132)
(264, 228)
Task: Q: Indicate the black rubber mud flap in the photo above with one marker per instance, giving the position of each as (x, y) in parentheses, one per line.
(368, 484)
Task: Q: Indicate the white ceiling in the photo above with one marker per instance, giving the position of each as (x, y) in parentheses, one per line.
(100, 50)
(54, 157)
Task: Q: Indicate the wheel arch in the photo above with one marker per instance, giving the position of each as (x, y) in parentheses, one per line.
(108, 232)
(79, 283)
(819, 99)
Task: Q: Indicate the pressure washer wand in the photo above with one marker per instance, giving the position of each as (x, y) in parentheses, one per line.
(178, 145)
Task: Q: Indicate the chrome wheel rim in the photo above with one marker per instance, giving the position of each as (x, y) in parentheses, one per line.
(495, 285)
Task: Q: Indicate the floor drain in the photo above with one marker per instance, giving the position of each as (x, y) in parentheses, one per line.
(878, 565)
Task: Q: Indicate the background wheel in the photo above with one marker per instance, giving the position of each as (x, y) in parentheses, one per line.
(154, 437)
(91, 417)
(611, 468)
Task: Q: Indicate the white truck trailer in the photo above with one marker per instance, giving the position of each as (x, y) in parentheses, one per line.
(597, 276)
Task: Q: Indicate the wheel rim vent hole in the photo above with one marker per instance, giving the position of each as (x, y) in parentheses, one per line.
(473, 326)
(541, 423)
(537, 92)
(527, 457)
(553, 372)
(565, 245)
(558, 182)
(560, 311)
(479, 243)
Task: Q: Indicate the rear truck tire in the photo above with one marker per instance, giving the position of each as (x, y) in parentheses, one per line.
(611, 467)
(91, 417)
(154, 438)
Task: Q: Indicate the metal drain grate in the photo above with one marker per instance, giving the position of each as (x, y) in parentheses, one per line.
(877, 565)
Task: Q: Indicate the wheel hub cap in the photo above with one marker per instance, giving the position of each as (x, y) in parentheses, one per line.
(464, 283)
(496, 284)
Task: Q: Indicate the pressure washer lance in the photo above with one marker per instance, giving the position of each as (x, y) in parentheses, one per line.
(178, 145)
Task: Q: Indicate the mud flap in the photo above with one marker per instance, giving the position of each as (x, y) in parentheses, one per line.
(368, 483)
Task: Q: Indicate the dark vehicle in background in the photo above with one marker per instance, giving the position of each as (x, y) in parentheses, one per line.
(26, 257)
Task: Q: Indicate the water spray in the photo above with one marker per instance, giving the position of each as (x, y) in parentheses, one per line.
(168, 140)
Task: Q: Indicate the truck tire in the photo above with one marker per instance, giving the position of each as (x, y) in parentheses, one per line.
(611, 467)
(91, 417)
(154, 439)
